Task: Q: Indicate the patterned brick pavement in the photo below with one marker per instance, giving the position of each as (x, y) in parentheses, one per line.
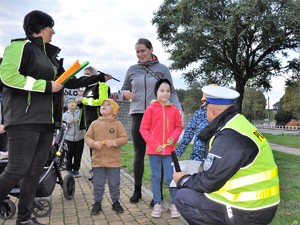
(77, 210)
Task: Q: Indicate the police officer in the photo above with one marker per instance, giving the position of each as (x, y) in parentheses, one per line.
(239, 183)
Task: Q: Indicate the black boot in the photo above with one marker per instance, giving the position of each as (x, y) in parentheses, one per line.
(137, 194)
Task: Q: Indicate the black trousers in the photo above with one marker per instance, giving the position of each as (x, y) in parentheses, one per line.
(3, 142)
(197, 209)
(74, 154)
(139, 148)
(28, 154)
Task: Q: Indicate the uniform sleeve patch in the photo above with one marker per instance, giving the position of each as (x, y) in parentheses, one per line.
(208, 162)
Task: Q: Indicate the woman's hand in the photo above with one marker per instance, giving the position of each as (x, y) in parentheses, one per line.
(56, 87)
(128, 95)
(2, 129)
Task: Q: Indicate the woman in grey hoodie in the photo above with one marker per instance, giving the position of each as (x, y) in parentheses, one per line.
(138, 87)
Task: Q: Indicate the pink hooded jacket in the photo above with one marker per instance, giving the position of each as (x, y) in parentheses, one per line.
(158, 124)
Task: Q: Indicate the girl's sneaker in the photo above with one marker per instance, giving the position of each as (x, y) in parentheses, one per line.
(174, 212)
(156, 212)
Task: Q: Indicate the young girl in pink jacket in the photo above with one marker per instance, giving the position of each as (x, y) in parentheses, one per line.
(161, 127)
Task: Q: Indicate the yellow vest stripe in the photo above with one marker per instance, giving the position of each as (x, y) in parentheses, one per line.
(250, 196)
(250, 179)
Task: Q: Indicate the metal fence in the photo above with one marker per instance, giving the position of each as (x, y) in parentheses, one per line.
(277, 127)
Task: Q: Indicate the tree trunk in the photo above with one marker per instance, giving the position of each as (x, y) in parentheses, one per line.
(240, 88)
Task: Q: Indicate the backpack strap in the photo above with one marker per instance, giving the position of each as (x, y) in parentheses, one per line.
(150, 71)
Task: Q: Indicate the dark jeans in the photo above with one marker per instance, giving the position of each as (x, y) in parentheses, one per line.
(112, 176)
(196, 208)
(28, 154)
(74, 154)
(139, 148)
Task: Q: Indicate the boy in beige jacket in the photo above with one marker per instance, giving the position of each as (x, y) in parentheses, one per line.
(105, 137)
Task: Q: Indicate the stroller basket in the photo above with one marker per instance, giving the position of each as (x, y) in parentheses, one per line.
(47, 183)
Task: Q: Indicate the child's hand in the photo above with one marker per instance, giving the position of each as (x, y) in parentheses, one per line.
(170, 142)
(108, 143)
(97, 145)
(160, 148)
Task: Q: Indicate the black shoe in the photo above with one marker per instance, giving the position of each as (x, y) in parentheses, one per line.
(96, 208)
(117, 207)
(32, 221)
(151, 204)
(91, 178)
(137, 195)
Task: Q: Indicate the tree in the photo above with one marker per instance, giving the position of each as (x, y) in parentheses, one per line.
(241, 41)
(191, 97)
(254, 104)
(291, 100)
(282, 116)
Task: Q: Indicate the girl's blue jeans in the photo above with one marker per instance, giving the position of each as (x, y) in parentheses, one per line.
(156, 163)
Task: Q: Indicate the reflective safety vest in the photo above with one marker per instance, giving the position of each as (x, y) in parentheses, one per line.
(255, 186)
(89, 98)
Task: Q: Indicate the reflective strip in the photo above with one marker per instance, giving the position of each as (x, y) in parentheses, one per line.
(29, 83)
(251, 179)
(90, 101)
(250, 196)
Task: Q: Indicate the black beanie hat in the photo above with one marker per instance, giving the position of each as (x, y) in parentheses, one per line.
(35, 21)
(159, 82)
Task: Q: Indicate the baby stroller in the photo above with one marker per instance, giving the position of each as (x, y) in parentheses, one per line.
(51, 176)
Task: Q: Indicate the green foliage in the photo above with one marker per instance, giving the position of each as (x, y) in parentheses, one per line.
(291, 100)
(229, 41)
(191, 98)
(282, 116)
(254, 104)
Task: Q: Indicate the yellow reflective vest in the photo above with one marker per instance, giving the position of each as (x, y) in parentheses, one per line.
(255, 186)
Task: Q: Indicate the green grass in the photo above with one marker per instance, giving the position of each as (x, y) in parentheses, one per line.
(286, 140)
(288, 212)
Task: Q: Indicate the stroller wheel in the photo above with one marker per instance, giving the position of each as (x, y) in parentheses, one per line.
(41, 207)
(68, 187)
(7, 209)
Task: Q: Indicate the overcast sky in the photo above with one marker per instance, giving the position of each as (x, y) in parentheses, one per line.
(103, 32)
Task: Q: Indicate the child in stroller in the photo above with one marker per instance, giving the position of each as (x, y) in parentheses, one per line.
(51, 176)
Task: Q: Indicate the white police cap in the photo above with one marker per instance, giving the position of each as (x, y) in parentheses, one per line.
(219, 95)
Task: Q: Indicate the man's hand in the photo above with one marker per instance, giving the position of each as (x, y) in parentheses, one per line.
(178, 175)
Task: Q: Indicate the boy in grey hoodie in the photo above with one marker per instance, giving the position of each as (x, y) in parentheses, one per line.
(74, 137)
